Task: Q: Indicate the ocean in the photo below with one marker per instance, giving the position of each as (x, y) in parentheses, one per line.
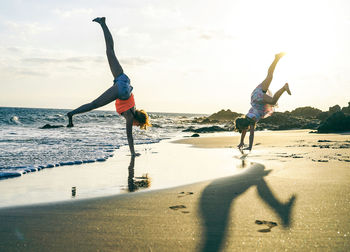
(26, 147)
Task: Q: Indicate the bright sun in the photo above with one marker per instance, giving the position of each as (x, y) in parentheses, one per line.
(305, 30)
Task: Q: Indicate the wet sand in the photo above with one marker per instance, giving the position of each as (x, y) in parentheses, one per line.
(290, 193)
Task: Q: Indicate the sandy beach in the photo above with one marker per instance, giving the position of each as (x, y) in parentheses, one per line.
(290, 193)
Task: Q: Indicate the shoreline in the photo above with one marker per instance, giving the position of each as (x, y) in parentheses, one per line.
(280, 200)
(158, 167)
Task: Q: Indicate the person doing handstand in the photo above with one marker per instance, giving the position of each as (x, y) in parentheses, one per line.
(262, 105)
(120, 92)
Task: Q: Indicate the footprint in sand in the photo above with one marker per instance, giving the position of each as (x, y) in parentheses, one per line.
(269, 224)
(320, 160)
(177, 207)
(183, 194)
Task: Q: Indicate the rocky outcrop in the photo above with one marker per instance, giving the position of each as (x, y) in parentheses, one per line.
(337, 122)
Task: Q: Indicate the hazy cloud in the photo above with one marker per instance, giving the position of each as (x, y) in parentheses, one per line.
(30, 73)
(161, 13)
(72, 13)
(81, 59)
(27, 28)
(136, 61)
(14, 50)
(15, 71)
(208, 34)
(140, 37)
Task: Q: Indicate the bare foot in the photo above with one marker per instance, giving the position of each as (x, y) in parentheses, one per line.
(280, 55)
(99, 20)
(286, 87)
(70, 118)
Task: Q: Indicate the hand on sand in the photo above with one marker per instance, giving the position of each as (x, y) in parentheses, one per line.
(280, 55)
(286, 87)
(135, 154)
(99, 20)
(240, 146)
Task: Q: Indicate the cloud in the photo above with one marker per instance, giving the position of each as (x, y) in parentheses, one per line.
(81, 59)
(72, 13)
(18, 71)
(27, 28)
(30, 73)
(140, 37)
(161, 13)
(136, 61)
(41, 60)
(207, 34)
(14, 50)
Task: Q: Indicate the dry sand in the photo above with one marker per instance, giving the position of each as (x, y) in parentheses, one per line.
(294, 196)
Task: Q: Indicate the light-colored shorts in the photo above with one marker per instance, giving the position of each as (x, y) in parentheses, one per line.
(124, 87)
(257, 95)
(259, 108)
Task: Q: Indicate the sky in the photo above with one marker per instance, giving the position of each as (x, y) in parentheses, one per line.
(192, 56)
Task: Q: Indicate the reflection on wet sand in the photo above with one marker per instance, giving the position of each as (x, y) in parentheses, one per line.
(135, 183)
(217, 198)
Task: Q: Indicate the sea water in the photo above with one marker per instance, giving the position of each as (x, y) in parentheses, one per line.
(25, 146)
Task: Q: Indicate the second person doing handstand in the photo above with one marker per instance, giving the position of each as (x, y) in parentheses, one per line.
(262, 105)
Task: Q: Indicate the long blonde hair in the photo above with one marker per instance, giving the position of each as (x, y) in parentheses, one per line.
(142, 117)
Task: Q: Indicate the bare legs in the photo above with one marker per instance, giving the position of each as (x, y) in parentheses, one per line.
(110, 94)
(116, 69)
(266, 83)
(273, 100)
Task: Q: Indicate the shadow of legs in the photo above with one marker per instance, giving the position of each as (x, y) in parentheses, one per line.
(283, 210)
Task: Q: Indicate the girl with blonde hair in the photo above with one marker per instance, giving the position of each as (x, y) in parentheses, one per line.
(120, 92)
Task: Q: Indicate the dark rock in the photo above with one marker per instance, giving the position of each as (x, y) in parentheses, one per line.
(337, 122)
(224, 115)
(205, 129)
(195, 135)
(306, 112)
(189, 129)
(49, 126)
(346, 110)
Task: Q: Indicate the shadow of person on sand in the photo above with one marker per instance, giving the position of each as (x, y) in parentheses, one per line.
(217, 198)
(135, 183)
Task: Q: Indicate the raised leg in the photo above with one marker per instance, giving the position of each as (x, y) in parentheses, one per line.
(273, 100)
(114, 64)
(266, 83)
(108, 96)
